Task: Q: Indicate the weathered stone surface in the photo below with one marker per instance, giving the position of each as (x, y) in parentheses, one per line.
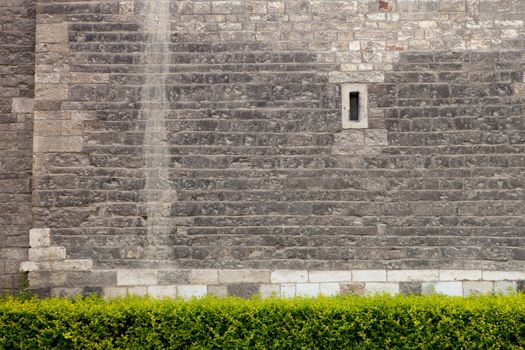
(369, 275)
(217, 144)
(243, 290)
(134, 277)
(289, 276)
(39, 237)
(163, 291)
(329, 276)
(244, 276)
(459, 275)
(47, 253)
(190, 291)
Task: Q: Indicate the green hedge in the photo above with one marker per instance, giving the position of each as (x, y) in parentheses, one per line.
(380, 322)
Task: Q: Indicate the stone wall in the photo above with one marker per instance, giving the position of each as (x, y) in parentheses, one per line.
(197, 135)
(17, 42)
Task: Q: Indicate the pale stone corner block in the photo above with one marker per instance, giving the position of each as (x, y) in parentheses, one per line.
(369, 275)
(459, 275)
(204, 276)
(29, 266)
(446, 288)
(412, 275)
(190, 291)
(503, 275)
(289, 276)
(72, 265)
(269, 290)
(329, 289)
(307, 289)
(379, 287)
(51, 92)
(58, 144)
(47, 253)
(288, 290)
(136, 277)
(330, 276)
(163, 291)
(39, 237)
(115, 292)
(244, 276)
(478, 287)
(22, 105)
(52, 33)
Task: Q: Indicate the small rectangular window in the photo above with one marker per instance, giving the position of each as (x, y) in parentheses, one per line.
(354, 106)
(354, 109)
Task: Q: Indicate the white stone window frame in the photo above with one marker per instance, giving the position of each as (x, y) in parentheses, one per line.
(362, 122)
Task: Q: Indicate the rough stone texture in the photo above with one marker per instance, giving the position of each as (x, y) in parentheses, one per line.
(207, 135)
(17, 47)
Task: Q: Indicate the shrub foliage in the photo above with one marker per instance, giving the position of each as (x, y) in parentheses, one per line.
(379, 322)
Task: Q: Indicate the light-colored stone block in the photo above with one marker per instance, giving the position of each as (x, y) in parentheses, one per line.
(330, 276)
(57, 144)
(377, 137)
(446, 288)
(72, 265)
(39, 237)
(459, 275)
(52, 33)
(329, 289)
(51, 92)
(22, 105)
(369, 275)
(412, 275)
(356, 77)
(163, 291)
(505, 287)
(115, 292)
(47, 253)
(378, 287)
(139, 291)
(503, 275)
(288, 290)
(270, 290)
(190, 291)
(199, 276)
(136, 277)
(29, 266)
(244, 276)
(478, 287)
(307, 289)
(289, 276)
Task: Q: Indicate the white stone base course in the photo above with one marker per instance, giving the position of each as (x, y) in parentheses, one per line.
(287, 283)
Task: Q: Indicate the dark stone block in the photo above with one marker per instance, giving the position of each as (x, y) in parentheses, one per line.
(243, 290)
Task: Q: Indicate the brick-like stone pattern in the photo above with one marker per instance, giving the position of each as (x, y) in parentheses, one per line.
(62, 278)
(245, 166)
(17, 43)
